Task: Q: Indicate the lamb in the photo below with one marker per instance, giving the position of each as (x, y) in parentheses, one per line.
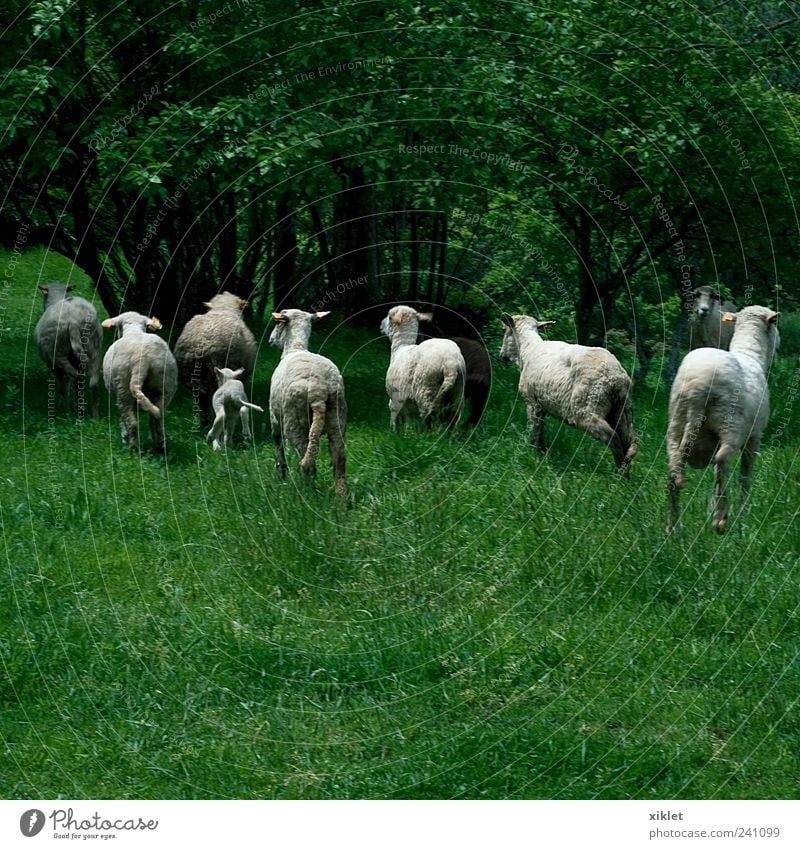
(426, 379)
(706, 327)
(719, 405)
(230, 401)
(306, 398)
(585, 387)
(216, 339)
(68, 337)
(140, 370)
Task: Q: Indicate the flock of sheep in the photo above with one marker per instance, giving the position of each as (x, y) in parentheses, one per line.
(719, 403)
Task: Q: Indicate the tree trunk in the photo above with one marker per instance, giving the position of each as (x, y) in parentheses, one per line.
(285, 253)
(440, 287)
(413, 273)
(433, 249)
(87, 255)
(324, 247)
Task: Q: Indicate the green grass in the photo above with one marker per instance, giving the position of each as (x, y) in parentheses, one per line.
(481, 622)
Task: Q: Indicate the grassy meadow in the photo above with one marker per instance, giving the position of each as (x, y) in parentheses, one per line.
(480, 622)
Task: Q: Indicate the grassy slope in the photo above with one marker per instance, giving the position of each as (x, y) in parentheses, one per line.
(481, 623)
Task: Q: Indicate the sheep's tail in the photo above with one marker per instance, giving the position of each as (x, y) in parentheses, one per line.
(76, 343)
(308, 463)
(451, 375)
(144, 402)
(252, 406)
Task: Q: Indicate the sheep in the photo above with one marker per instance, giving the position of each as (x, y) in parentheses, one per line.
(140, 370)
(230, 401)
(216, 339)
(719, 405)
(306, 398)
(68, 337)
(478, 378)
(585, 387)
(426, 379)
(706, 327)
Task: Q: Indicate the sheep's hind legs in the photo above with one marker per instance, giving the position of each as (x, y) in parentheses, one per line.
(280, 455)
(157, 427)
(536, 426)
(721, 459)
(749, 454)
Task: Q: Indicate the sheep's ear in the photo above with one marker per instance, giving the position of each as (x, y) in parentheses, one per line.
(242, 303)
(318, 315)
(110, 322)
(154, 324)
(546, 323)
(425, 316)
(773, 318)
(217, 370)
(44, 289)
(238, 373)
(507, 319)
(279, 316)
(729, 316)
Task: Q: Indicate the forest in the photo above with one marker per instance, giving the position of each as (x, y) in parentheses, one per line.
(473, 618)
(595, 160)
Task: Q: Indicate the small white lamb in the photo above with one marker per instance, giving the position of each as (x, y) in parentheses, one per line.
(719, 405)
(584, 386)
(426, 379)
(229, 403)
(140, 371)
(306, 398)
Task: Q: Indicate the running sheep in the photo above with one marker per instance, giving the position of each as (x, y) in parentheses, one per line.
(306, 398)
(69, 338)
(584, 387)
(230, 403)
(718, 406)
(478, 376)
(216, 339)
(426, 379)
(140, 371)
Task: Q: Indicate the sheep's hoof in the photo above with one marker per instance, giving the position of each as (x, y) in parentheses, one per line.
(341, 491)
(719, 525)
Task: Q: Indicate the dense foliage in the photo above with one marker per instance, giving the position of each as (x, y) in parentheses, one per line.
(583, 159)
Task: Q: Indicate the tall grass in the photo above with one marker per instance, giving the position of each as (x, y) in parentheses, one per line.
(480, 622)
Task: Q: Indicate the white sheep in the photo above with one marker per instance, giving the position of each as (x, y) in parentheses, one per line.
(140, 371)
(216, 339)
(426, 379)
(68, 337)
(585, 387)
(706, 327)
(229, 403)
(306, 398)
(719, 405)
